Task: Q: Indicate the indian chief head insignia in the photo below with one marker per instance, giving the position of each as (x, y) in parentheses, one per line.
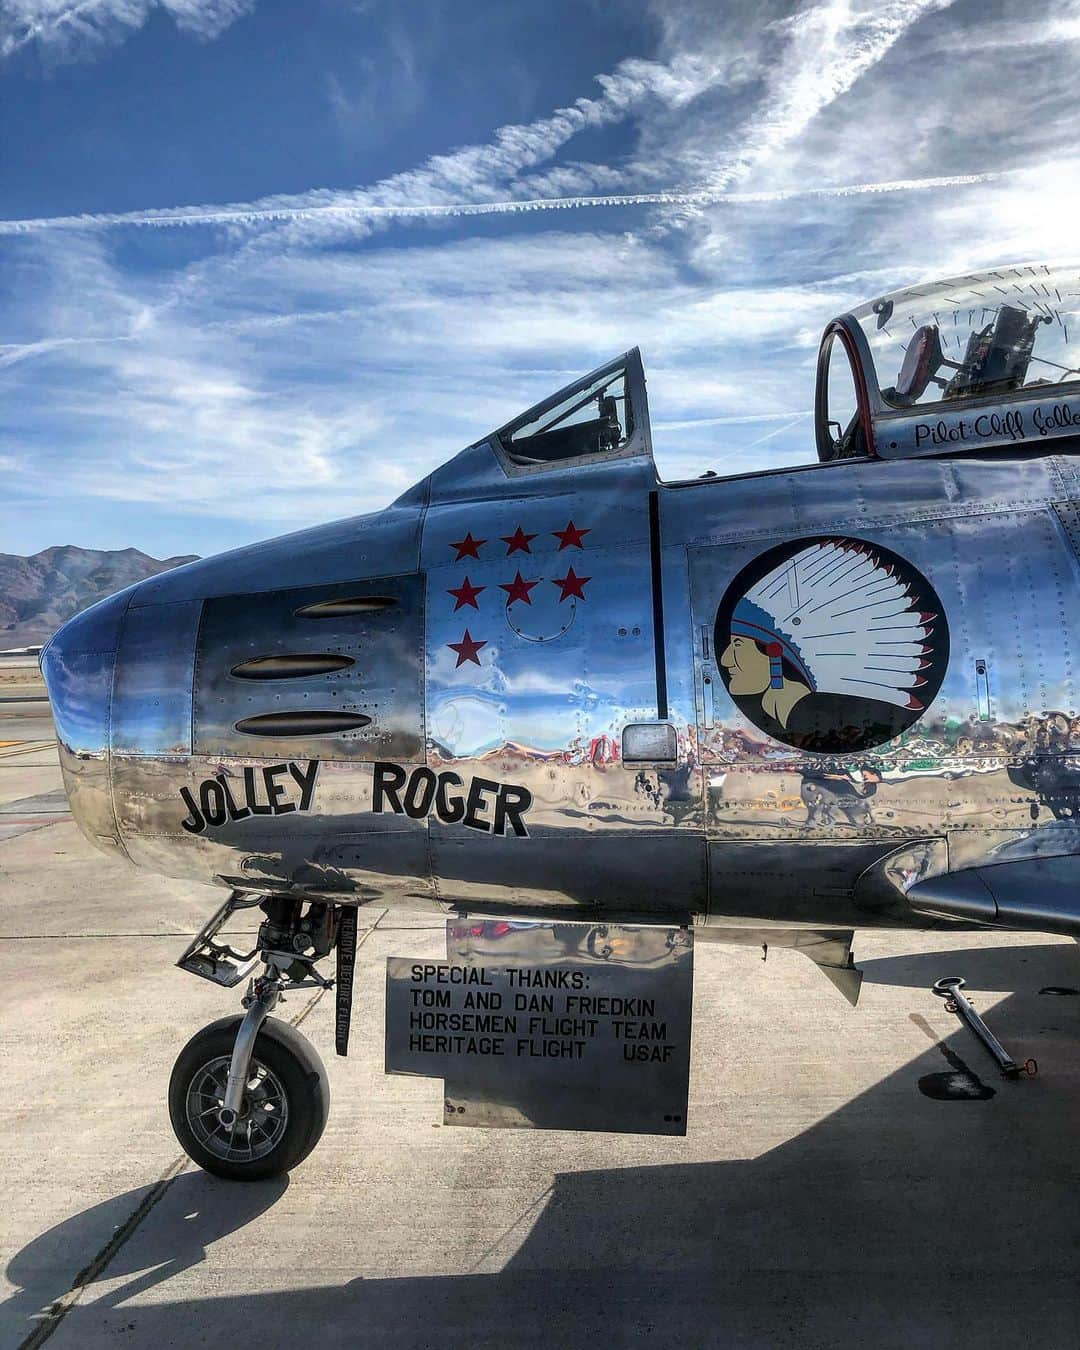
(831, 644)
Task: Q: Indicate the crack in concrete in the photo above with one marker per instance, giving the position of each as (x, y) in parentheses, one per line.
(59, 1308)
(54, 1315)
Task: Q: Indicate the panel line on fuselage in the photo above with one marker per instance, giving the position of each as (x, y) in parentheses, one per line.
(658, 607)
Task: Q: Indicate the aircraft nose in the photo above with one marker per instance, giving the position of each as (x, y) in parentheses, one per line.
(78, 666)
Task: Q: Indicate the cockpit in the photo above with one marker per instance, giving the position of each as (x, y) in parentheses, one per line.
(596, 416)
(603, 415)
(593, 420)
(982, 360)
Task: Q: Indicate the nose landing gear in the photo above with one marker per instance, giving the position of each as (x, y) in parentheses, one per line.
(249, 1096)
(284, 1101)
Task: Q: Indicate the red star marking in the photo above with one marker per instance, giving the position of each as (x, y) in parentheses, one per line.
(571, 584)
(571, 537)
(466, 649)
(465, 594)
(518, 540)
(518, 589)
(468, 547)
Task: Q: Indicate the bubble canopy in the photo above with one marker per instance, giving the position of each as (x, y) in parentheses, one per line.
(976, 361)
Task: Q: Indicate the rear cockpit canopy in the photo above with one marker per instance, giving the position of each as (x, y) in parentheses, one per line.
(976, 362)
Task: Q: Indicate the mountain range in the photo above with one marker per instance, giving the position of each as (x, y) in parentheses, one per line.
(40, 592)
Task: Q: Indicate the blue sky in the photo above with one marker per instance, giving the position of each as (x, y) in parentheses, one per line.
(267, 262)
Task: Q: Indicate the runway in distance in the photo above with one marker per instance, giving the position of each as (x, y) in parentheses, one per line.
(543, 684)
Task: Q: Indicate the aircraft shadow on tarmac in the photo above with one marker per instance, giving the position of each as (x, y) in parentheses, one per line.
(897, 1221)
(210, 1209)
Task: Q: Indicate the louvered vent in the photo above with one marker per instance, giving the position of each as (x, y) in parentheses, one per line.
(330, 672)
(291, 666)
(345, 605)
(316, 722)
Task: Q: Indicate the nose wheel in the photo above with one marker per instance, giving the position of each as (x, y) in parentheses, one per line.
(249, 1096)
(284, 1100)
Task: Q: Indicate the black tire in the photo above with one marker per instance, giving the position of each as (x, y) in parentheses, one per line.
(289, 1071)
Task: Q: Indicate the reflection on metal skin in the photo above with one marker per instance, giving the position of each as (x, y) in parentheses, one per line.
(601, 1090)
(79, 665)
(502, 625)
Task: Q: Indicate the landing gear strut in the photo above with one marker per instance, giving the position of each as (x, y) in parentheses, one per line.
(249, 1096)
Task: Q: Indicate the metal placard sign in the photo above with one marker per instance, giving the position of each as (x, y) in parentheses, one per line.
(556, 1026)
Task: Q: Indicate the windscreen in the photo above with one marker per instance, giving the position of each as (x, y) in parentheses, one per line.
(990, 333)
(593, 419)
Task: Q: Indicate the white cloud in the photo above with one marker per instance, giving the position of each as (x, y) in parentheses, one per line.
(828, 48)
(460, 182)
(373, 367)
(71, 30)
(312, 360)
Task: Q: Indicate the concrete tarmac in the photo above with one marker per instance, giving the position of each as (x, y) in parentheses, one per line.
(825, 1195)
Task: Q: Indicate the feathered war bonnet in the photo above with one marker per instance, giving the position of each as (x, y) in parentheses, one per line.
(843, 620)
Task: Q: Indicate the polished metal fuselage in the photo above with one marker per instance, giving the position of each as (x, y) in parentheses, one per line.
(737, 829)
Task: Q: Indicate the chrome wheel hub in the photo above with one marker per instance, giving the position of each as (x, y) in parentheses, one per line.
(259, 1126)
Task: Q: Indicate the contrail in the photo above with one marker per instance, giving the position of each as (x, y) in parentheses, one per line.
(830, 48)
(364, 211)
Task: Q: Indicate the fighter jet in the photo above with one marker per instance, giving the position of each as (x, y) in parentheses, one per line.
(544, 683)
